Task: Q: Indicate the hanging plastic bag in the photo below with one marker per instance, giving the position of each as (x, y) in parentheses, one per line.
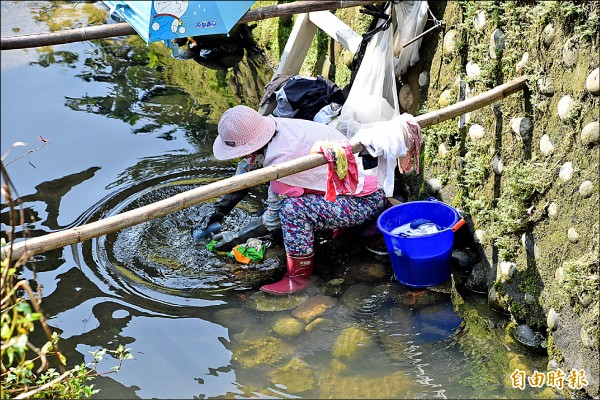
(373, 96)
(411, 17)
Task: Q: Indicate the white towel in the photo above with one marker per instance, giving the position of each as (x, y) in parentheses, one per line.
(385, 140)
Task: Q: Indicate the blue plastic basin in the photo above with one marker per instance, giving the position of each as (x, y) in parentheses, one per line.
(420, 261)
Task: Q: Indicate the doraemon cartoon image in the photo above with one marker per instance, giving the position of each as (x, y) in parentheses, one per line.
(167, 10)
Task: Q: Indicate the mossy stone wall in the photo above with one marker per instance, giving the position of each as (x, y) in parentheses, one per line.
(525, 170)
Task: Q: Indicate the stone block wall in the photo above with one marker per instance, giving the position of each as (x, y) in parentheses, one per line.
(524, 170)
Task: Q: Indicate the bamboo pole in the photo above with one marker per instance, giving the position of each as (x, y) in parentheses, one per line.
(123, 28)
(186, 199)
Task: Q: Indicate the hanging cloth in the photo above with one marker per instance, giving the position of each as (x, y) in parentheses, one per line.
(342, 175)
(303, 97)
(394, 142)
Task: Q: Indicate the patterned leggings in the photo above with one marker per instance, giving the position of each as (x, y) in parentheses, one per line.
(302, 216)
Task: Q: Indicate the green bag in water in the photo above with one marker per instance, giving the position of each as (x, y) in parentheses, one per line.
(252, 250)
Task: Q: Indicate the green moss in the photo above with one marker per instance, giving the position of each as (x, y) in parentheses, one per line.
(270, 35)
(522, 181)
(444, 132)
(487, 351)
(95, 15)
(554, 352)
(512, 203)
(581, 277)
(317, 50)
(477, 164)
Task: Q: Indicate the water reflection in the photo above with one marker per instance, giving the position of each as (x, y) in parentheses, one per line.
(49, 57)
(50, 194)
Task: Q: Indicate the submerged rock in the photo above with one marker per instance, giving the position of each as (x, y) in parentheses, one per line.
(395, 385)
(334, 286)
(422, 297)
(288, 327)
(528, 337)
(353, 297)
(320, 324)
(360, 270)
(352, 342)
(235, 319)
(364, 300)
(297, 376)
(265, 351)
(263, 302)
(314, 307)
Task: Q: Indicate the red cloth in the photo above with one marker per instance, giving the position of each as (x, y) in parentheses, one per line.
(413, 139)
(335, 185)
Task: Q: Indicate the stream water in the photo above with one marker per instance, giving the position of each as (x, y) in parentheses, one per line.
(124, 129)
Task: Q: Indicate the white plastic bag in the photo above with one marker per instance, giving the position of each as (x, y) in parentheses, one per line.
(372, 106)
(373, 96)
(411, 17)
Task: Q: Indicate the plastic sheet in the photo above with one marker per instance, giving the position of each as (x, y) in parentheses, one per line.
(411, 17)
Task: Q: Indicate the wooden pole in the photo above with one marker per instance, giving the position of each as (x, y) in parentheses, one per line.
(186, 199)
(123, 28)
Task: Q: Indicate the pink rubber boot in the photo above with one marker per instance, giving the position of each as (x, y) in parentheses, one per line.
(299, 270)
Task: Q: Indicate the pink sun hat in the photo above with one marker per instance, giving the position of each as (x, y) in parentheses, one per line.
(242, 131)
